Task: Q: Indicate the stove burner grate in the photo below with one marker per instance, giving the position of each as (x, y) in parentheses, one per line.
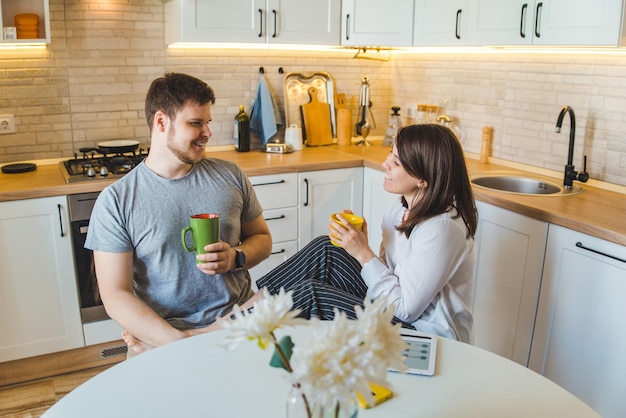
(95, 166)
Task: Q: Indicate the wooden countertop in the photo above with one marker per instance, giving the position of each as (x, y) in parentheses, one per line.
(595, 211)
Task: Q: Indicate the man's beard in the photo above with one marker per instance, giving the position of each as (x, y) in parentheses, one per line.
(181, 155)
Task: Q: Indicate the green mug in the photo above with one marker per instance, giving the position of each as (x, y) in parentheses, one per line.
(205, 230)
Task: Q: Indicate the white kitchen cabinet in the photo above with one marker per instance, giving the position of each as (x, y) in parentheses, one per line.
(501, 22)
(376, 23)
(278, 195)
(323, 193)
(509, 259)
(579, 340)
(38, 297)
(440, 23)
(10, 8)
(579, 22)
(253, 21)
(545, 22)
(376, 202)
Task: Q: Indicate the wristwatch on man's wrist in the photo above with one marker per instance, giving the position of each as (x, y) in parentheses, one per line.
(240, 259)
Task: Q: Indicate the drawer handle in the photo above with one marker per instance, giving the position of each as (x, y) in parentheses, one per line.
(522, 32)
(306, 202)
(580, 245)
(268, 184)
(278, 252)
(60, 221)
(274, 34)
(276, 218)
(538, 19)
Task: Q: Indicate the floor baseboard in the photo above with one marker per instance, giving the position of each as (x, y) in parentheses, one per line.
(32, 368)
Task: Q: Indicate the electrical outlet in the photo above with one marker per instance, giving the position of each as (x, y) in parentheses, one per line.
(7, 124)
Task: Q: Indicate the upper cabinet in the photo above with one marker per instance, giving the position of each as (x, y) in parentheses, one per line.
(546, 22)
(577, 22)
(10, 8)
(373, 23)
(440, 23)
(376, 23)
(253, 21)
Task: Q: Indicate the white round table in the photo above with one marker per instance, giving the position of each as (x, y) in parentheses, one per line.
(197, 378)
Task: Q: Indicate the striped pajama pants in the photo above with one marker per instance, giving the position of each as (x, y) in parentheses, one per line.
(322, 277)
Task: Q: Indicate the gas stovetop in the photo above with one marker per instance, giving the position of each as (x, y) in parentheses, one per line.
(93, 166)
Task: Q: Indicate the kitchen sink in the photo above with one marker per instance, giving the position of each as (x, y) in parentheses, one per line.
(521, 184)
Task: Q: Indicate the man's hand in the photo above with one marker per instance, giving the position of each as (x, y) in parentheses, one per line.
(219, 258)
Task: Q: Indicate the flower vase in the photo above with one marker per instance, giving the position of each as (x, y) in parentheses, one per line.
(335, 412)
(297, 407)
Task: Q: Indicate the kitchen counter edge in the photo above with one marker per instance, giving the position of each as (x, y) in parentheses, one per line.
(595, 211)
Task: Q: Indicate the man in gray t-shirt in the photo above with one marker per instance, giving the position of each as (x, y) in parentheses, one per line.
(149, 284)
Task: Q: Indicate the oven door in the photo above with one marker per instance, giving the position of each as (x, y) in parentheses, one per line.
(90, 303)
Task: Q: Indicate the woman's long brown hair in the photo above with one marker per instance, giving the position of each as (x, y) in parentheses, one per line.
(433, 153)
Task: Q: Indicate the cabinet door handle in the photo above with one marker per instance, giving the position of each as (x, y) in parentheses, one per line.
(260, 23)
(347, 27)
(306, 201)
(60, 220)
(457, 29)
(274, 12)
(538, 19)
(580, 245)
(278, 252)
(522, 22)
(276, 218)
(269, 183)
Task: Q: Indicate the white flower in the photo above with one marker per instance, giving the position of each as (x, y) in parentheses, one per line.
(382, 338)
(342, 356)
(338, 357)
(270, 313)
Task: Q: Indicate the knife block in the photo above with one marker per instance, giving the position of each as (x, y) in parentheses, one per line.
(344, 127)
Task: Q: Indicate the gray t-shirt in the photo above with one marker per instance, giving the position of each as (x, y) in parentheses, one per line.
(145, 213)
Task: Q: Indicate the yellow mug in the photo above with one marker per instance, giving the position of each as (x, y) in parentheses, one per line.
(354, 220)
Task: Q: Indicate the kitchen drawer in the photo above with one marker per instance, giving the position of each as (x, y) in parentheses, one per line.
(281, 251)
(283, 223)
(276, 190)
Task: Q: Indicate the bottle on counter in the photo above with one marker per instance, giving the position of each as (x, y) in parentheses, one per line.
(422, 111)
(431, 113)
(393, 127)
(241, 132)
(485, 149)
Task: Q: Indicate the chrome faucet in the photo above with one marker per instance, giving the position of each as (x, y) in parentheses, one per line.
(570, 172)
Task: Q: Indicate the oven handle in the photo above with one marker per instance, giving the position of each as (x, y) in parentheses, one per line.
(60, 220)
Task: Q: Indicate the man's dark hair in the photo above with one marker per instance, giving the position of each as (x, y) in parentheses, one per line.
(172, 91)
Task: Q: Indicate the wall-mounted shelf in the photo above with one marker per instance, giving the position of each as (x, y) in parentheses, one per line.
(10, 8)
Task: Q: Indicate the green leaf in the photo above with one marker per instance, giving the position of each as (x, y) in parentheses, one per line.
(286, 346)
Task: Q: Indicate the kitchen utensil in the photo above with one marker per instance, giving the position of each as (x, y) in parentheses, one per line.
(118, 146)
(363, 126)
(317, 123)
(296, 88)
(344, 126)
(18, 168)
(340, 101)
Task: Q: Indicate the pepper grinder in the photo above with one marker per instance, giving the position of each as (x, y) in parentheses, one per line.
(485, 149)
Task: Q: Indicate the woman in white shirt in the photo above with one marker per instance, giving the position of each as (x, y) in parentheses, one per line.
(426, 261)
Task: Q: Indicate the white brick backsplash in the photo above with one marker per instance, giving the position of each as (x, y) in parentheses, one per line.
(89, 86)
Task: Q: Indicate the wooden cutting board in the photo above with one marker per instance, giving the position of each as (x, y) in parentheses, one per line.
(316, 117)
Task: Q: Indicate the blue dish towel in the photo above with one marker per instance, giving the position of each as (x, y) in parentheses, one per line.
(264, 115)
